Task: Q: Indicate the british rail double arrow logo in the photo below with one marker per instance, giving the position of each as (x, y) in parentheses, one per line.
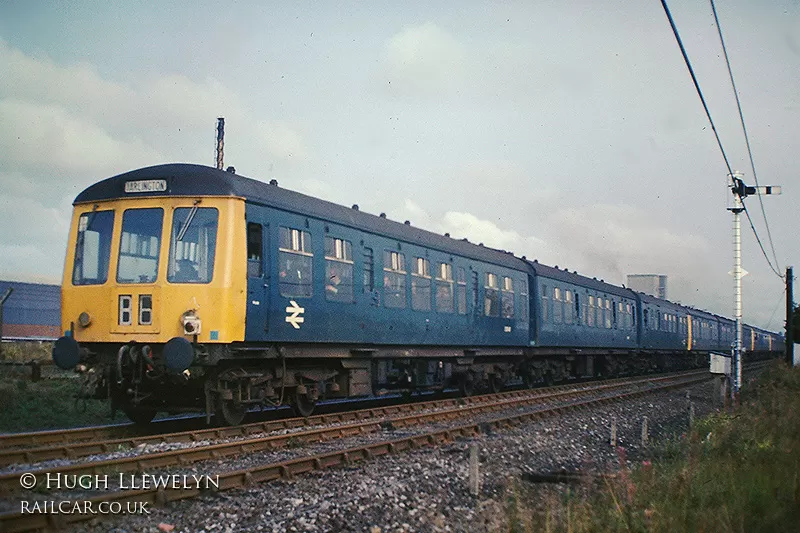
(293, 313)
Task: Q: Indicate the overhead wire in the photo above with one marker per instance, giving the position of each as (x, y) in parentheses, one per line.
(696, 84)
(713, 127)
(744, 130)
(777, 305)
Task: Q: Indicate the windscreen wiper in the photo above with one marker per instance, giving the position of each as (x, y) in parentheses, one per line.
(188, 221)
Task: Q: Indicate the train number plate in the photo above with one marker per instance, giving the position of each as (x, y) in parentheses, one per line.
(146, 186)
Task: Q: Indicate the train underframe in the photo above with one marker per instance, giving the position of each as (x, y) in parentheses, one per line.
(228, 380)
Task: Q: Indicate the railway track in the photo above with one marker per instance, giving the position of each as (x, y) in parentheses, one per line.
(497, 412)
(69, 441)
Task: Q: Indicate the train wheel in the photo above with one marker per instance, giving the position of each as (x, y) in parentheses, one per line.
(495, 383)
(303, 404)
(528, 380)
(229, 413)
(466, 384)
(138, 414)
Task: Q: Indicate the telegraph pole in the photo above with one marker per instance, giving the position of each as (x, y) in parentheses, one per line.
(740, 192)
(220, 141)
(789, 318)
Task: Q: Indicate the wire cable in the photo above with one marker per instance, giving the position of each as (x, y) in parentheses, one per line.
(696, 85)
(777, 305)
(758, 240)
(744, 130)
(713, 127)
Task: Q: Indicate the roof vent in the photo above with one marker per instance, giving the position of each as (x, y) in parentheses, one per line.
(355, 207)
(382, 215)
(273, 182)
(523, 257)
(231, 170)
(480, 244)
(556, 267)
(446, 234)
(407, 222)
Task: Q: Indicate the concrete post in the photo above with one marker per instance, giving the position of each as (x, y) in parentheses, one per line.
(645, 432)
(613, 439)
(474, 479)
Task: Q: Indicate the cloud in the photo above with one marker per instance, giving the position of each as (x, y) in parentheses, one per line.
(92, 125)
(66, 126)
(47, 139)
(423, 59)
(463, 225)
(612, 241)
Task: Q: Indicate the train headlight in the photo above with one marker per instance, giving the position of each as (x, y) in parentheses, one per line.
(191, 324)
(84, 319)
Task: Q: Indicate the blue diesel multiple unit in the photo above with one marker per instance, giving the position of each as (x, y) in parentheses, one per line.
(186, 287)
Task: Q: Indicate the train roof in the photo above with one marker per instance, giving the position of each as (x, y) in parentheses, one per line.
(650, 299)
(577, 279)
(182, 179)
(702, 314)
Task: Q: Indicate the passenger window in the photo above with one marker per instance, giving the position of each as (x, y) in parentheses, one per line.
(523, 300)
(557, 306)
(491, 302)
(93, 248)
(295, 258)
(474, 281)
(421, 285)
(592, 311)
(577, 308)
(568, 306)
(444, 288)
(394, 279)
(545, 305)
(608, 313)
(192, 245)
(461, 291)
(140, 245)
(254, 250)
(369, 270)
(507, 298)
(338, 270)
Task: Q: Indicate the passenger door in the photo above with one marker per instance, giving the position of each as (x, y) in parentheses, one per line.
(258, 280)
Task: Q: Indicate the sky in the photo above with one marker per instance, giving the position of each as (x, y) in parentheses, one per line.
(569, 132)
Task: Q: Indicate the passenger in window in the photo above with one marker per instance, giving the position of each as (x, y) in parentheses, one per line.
(187, 272)
(333, 283)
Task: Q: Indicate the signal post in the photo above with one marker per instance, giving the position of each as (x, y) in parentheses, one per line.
(740, 192)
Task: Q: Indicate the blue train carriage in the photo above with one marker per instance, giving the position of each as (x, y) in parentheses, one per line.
(370, 304)
(582, 327)
(665, 333)
(705, 332)
(727, 335)
(186, 286)
(762, 343)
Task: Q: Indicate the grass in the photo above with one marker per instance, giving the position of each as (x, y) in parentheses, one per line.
(47, 404)
(25, 352)
(733, 472)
